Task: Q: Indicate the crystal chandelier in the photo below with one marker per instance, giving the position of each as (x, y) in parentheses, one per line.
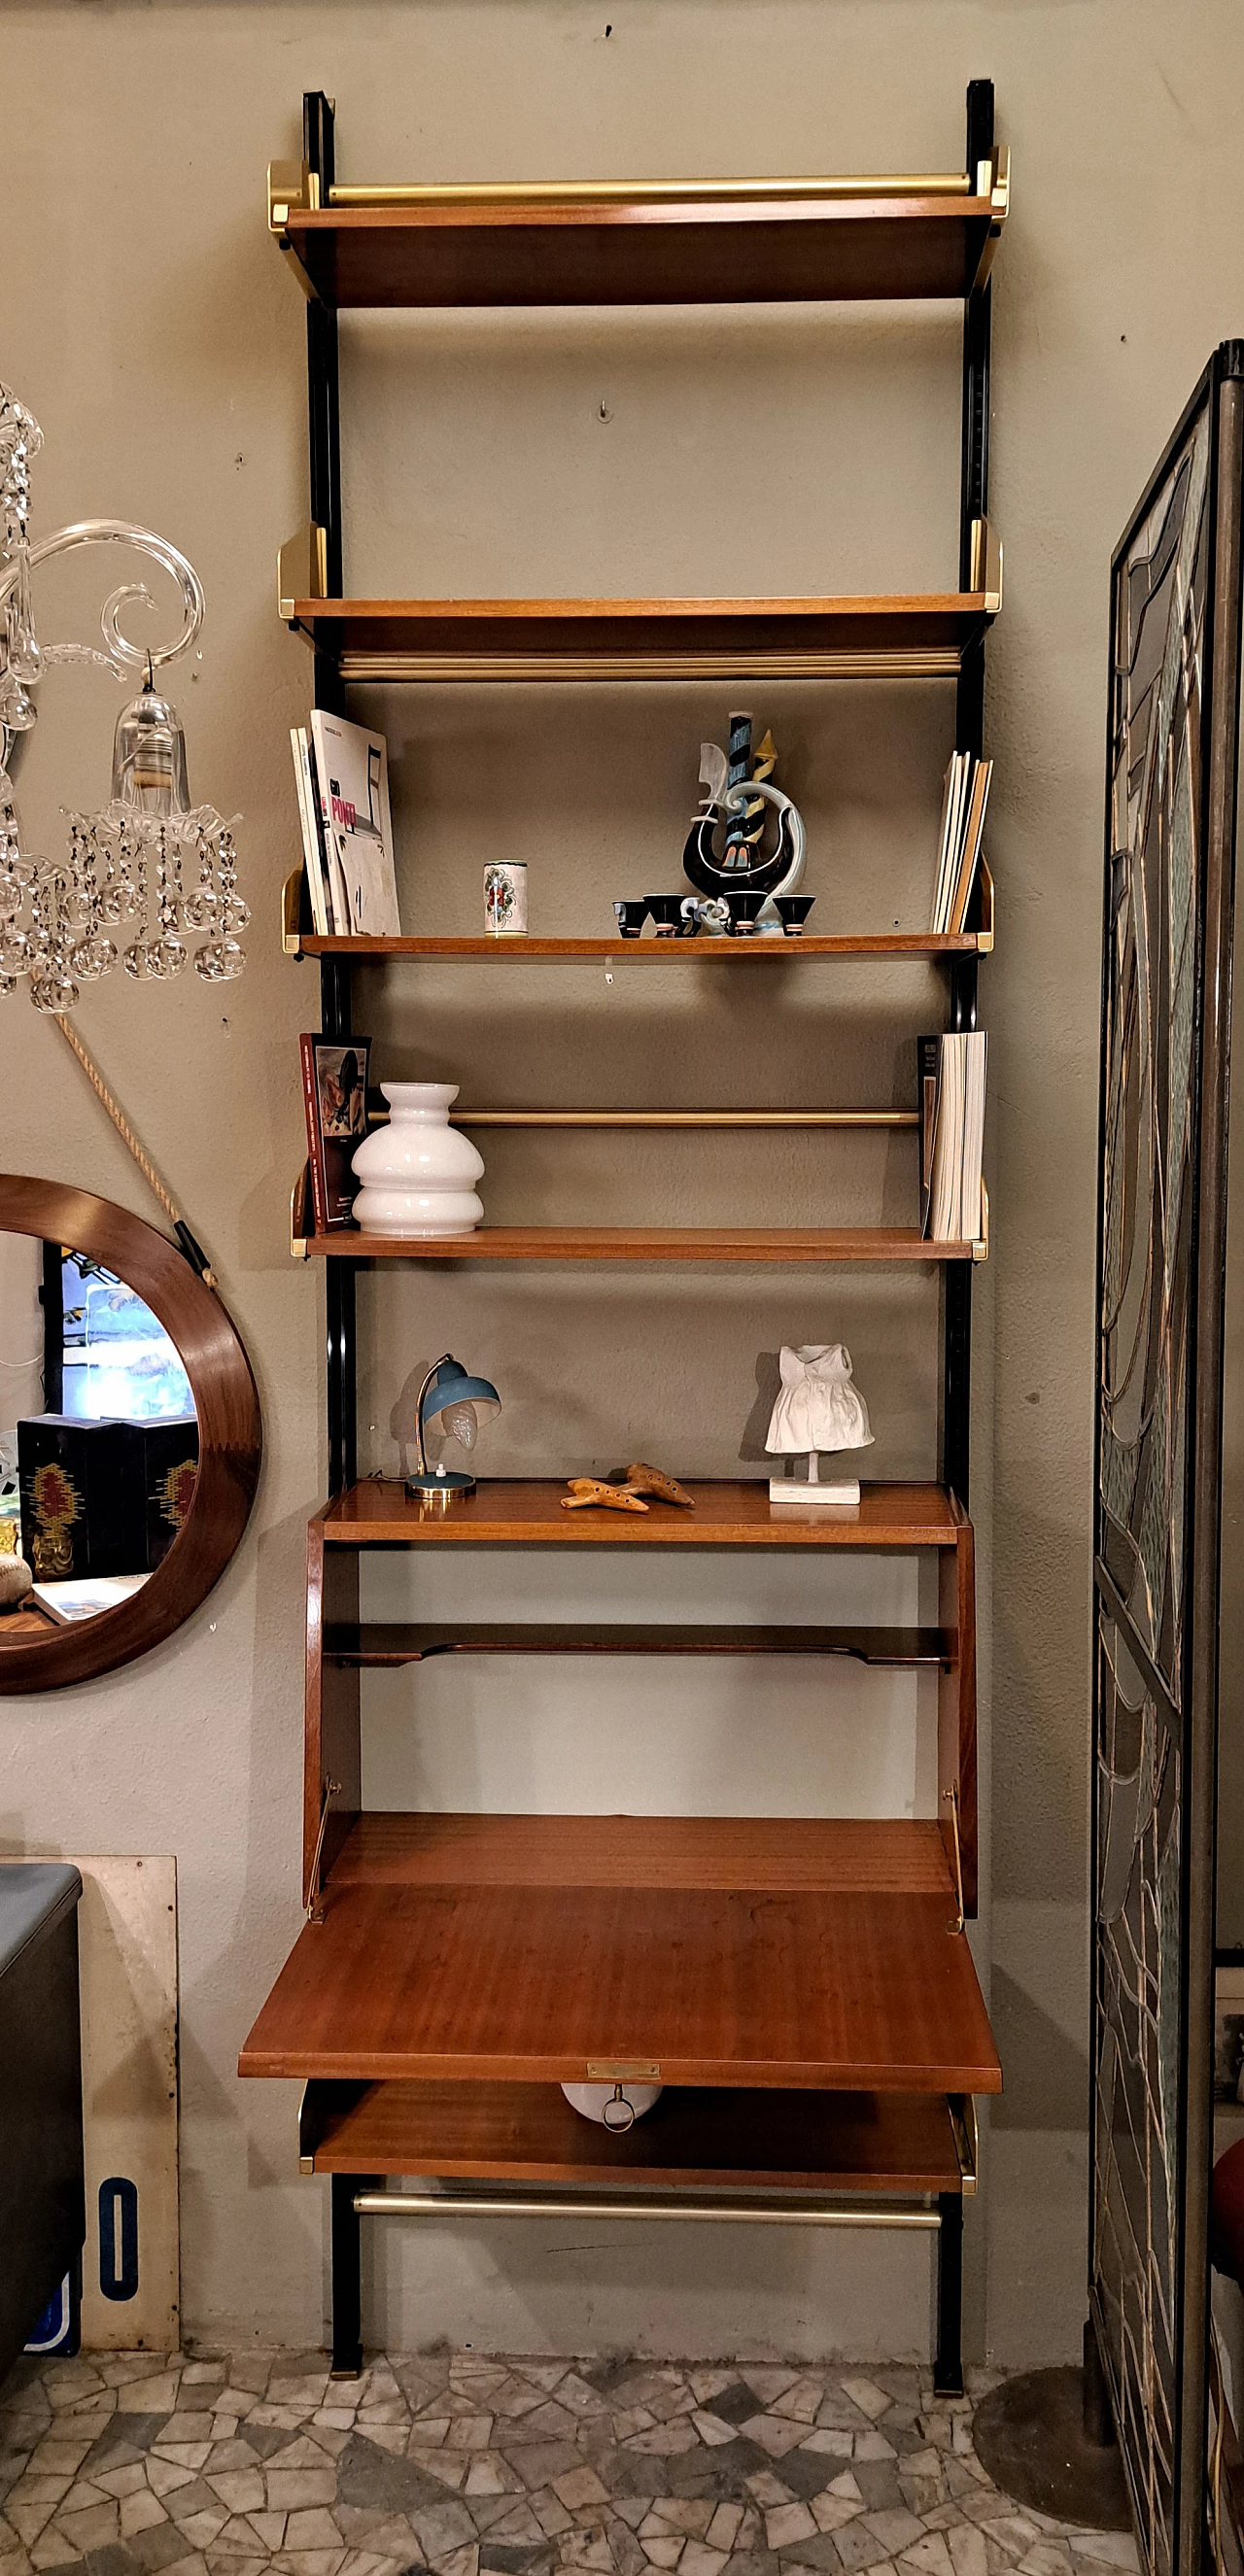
(148, 867)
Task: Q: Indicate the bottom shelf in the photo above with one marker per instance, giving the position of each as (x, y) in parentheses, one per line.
(717, 2136)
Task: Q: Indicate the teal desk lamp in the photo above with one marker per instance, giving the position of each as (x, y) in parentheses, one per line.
(459, 1400)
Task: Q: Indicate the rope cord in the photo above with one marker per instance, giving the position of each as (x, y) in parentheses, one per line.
(128, 1137)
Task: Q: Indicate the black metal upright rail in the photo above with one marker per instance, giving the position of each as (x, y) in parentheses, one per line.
(969, 736)
(324, 444)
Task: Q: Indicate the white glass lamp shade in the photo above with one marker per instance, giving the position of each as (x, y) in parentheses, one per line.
(418, 1172)
(149, 758)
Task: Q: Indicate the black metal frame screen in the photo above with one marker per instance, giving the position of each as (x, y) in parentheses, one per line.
(1170, 845)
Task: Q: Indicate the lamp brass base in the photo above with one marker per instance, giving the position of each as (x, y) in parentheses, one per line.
(445, 1489)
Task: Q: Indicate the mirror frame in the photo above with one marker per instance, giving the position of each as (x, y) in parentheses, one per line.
(230, 1431)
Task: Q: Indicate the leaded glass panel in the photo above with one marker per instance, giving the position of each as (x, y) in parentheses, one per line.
(1137, 2141)
(1155, 804)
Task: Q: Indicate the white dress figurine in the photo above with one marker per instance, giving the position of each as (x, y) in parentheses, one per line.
(819, 1409)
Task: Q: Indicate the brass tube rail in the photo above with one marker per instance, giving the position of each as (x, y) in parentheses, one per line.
(850, 1118)
(563, 2203)
(934, 662)
(658, 192)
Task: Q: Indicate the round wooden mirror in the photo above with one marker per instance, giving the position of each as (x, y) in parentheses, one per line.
(208, 1495)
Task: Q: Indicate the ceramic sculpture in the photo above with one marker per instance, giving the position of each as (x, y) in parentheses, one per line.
(819, 1411)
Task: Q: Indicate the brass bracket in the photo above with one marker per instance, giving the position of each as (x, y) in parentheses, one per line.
(315, 1904)
(292, 187)
(951, 1798)
(301, 570)
(306, 2158)
(604, 2071)
(993, 180)
(291, 914)
(962, 2111)
(980, 1246)
(986, 565)
(985, 934)
(300, 1221)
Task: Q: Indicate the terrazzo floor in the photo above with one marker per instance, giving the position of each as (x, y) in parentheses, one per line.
(132, 2464)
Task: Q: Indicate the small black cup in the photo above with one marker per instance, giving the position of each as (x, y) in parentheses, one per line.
(666, 911)
(745, 903)
(794, 910)
(631, 917)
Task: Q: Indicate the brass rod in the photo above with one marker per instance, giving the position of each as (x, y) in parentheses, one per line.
(939, 662)
(560, 2204)
(850, 1118)
(652, 192)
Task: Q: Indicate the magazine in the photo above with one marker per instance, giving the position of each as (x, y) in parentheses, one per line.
(352, 773)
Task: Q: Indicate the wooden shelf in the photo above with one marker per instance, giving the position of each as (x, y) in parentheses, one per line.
(912, 238)
(299, 939)
(645, 951)
(528, 2133)
(648, 639)
(527, 1512)
(550, 1949)
(382, 1644)
(807, 1245)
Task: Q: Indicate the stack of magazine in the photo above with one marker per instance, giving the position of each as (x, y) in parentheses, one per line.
(347, 832)
(952, 1134)
(964, 799)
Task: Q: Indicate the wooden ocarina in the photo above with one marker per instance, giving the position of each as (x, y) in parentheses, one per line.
(664, 1489)
(586, 1490)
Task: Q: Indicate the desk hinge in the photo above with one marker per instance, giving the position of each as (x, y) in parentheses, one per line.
(951, 1797)
(315, 1894)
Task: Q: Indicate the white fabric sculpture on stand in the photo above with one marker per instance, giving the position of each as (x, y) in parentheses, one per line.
(819, 1409)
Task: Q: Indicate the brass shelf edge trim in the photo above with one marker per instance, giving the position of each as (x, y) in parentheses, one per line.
(558, 2203)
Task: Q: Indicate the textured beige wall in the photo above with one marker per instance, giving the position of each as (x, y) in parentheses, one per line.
(148, 321)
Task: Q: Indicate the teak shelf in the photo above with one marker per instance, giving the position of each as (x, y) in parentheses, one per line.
(299, 939)
(731, 2139)
(645, 639)
(835, 240)
(803, 1987)
(522, 1511)
(807, 1244)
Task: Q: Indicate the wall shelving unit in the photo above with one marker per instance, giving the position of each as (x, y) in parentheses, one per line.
(825, 2037)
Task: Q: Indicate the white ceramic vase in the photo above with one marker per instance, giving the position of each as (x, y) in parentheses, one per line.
(418, 1173)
